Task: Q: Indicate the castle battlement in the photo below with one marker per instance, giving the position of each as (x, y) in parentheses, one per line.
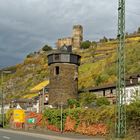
(77, 26)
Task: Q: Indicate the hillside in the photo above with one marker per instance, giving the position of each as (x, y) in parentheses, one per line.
(99, 64)
(33, 70)
(98, 67)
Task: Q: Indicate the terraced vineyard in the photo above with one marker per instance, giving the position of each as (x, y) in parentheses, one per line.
(98, 67)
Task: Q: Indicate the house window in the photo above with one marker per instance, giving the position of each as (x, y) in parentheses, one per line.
(57, 70)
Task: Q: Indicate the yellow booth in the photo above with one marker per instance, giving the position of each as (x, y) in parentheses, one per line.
(18, 115)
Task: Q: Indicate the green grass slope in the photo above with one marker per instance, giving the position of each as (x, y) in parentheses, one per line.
(98, 67)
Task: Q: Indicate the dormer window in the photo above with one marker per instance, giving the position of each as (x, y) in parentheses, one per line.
(138, 78)
(131, 80)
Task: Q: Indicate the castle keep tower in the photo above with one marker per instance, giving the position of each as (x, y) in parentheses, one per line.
(76, 39)
(77, 36)
(63, 65)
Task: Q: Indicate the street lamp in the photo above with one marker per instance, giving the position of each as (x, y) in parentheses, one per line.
(43, 99)
(61, 116)
(2, 94)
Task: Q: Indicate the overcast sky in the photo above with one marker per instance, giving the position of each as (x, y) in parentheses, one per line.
(26, 25)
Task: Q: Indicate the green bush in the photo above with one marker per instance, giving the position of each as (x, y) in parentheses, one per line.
(89, 116)
(85, 44)
(73, 103)
(86, 99)
(104, 40)
(8, 115)
(102, 101)
(47, 48)
(102, 114)
(133, 111)
(30, 55)
(54, 117)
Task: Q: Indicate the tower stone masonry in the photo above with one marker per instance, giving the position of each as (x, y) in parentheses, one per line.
(63, 77)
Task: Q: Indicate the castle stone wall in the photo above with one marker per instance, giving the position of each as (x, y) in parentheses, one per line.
(64, 41)
(63, 86)
(75, 40)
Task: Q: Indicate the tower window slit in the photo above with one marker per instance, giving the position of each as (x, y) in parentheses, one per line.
(57, 70)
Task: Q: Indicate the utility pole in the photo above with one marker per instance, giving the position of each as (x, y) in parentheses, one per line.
(120, 91)
(43, 99)
(2, 102)
(61, 117)
(2, 96)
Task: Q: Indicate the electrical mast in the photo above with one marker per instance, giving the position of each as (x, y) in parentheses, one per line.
(120, 90)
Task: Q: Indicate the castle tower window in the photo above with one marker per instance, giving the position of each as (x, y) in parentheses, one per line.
(57, 70)
(57, 57)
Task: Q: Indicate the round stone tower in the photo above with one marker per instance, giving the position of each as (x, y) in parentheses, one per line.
(77, 36)
(63, 65)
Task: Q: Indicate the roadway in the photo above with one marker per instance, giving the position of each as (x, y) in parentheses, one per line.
(19, 135)
(9, 135)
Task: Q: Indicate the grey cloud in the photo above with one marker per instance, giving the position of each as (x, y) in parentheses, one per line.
(8, 60)
(26, 25)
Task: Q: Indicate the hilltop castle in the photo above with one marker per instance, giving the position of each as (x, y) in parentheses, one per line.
(75, 40)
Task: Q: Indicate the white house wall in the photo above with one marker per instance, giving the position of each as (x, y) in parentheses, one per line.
(131, 93)
(6, 108)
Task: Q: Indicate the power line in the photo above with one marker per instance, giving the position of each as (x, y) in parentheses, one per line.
(131, 12)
